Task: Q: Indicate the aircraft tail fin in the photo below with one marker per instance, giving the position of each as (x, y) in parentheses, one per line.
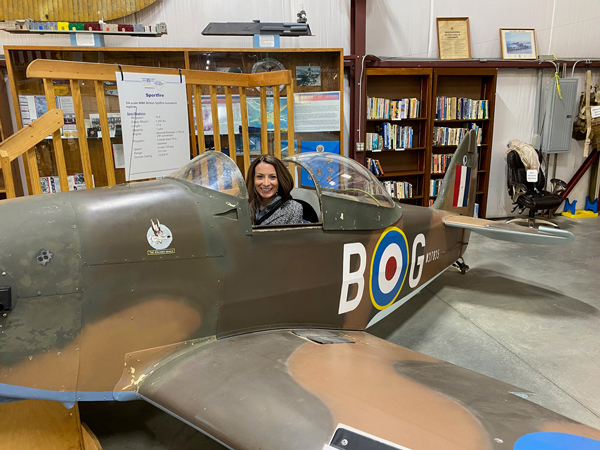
(457, 193)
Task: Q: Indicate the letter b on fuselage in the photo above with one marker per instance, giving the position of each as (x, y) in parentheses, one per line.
(349, 278)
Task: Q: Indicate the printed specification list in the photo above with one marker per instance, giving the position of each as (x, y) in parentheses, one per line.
(155, 124)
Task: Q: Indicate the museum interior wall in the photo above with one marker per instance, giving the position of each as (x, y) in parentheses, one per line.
(400, 29)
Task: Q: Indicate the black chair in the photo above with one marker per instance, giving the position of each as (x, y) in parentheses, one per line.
(308, 212)
(531, 195)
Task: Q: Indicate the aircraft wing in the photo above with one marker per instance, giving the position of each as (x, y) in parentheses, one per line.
(510, 232)
(324, 390)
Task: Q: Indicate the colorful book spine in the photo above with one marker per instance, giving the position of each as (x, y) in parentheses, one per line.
(460, 108)
(439, 163)
(389, 109)
(390, 137)
(374, 166)
(454, 136)
(399, 189)
(434, 187)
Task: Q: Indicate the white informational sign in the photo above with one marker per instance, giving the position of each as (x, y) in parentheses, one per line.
(317, 111)
(154, 121)
(28, 109)
(118, 156)
(266, 41)
(84, 39)
(532, 176)
(595, 111)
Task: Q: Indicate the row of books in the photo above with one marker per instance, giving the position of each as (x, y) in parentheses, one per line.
(453, 136)
(434, 187)
(390, 137)
(459, 108)
(384, 108)
(399, 189)
(439, 163)
(374, 166)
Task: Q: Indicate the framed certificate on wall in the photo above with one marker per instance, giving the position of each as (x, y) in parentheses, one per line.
(454, 40)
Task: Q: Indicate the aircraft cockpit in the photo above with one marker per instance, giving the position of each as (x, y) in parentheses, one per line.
(216, 171)
(342, 192)
(340, 177)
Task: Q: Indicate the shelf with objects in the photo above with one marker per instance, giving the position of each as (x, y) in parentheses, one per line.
(462, 100)
(396, 129)
(318, 86)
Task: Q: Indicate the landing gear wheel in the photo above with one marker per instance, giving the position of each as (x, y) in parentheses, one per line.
(460, 265)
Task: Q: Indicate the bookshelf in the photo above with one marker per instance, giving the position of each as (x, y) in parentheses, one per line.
(398, 101)
(478, 86)
(422, 163)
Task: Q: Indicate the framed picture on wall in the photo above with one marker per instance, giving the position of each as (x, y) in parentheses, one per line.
(518, 43)
(454, 40)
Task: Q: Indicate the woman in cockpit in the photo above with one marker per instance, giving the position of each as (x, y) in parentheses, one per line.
(269, 185)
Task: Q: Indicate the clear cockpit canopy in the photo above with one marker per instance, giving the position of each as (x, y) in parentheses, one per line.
(335, 176)
(213, 170)
(340, 177)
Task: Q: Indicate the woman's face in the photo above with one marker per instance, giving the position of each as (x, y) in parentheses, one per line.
(265, 182)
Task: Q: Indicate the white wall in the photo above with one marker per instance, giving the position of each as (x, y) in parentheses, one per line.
(329, 21)
(515, 105)
(565, 28)
(400, 28)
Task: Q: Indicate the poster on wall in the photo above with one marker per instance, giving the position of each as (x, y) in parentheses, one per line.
(317, 111)
(254, 114)
(154, 121)
(326, 169)
(308, 75)
(207, 118)
(33, 107)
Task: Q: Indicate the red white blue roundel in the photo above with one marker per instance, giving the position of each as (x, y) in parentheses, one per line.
(388, 267)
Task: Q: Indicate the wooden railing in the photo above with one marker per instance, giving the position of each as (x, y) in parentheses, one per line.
(23, 141)
(77, 72)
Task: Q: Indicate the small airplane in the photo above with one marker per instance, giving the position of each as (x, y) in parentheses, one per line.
(164, 291)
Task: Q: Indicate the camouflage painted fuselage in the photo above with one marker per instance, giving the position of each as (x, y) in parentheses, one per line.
(103, 294)
(99, 313)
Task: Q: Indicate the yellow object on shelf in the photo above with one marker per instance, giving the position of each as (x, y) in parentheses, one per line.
(63, 26)
(580, 214)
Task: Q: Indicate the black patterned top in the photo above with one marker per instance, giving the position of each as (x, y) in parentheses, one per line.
(279, 212)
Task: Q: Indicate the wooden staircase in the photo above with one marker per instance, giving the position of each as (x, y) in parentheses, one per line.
(44, 425)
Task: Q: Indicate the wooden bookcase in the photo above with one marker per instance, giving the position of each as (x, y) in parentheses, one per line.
(475, 84)
(403, 164)
(328, 61)
(414, 165)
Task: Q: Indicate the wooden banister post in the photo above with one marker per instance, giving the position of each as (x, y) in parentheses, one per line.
(23, 141)
(9, 183)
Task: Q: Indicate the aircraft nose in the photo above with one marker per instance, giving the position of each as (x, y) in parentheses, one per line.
(40, 252)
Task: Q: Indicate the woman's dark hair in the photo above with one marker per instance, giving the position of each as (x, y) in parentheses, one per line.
(284, 178)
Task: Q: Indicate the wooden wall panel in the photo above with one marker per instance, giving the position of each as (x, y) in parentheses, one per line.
(70, 10)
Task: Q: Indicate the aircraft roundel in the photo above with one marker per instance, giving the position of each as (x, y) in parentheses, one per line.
(547, 440)
(388, 267)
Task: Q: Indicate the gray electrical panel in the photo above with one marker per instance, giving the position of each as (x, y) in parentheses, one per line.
(559, 116)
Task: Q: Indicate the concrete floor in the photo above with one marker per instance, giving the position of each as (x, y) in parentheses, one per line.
(526, 315)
